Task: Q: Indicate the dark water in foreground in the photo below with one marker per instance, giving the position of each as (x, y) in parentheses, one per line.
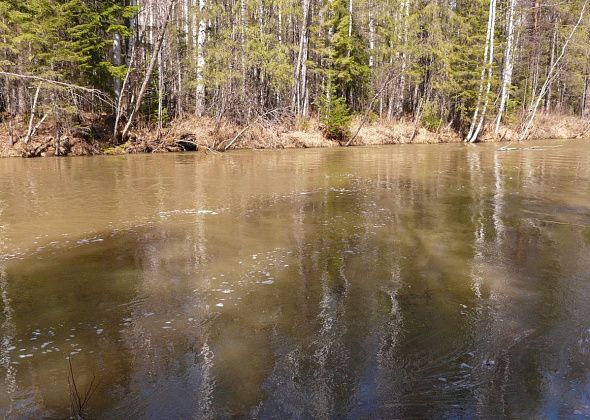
(414, 281)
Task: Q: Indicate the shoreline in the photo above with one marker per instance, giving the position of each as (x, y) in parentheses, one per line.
(205, 135)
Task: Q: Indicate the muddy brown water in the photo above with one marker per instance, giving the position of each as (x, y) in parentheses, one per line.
(435, 281)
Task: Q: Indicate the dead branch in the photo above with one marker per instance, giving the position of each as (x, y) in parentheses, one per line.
(370, 107)
(231, 143)
(33, 110)
(78, 403)
(150, 70)
(530, 117)
(101, 95)
(41, 121)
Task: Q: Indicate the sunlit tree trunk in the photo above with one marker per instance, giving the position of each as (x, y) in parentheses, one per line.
(117, 60)
(508, 66)
(300, 86)
(532, 112)
(480, 111)
(371, 35)
(150, 69)
(547, 105)
(201, 37)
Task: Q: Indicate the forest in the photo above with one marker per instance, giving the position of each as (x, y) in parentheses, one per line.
(111, 70)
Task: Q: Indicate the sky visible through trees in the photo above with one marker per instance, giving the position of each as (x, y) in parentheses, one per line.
(464, 64)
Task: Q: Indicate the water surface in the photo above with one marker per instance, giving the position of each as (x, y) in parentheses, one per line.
(445, 281)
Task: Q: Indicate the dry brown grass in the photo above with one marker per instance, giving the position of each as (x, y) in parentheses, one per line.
(208, 134)
(545, 127)
(401, 132)
(556, 126)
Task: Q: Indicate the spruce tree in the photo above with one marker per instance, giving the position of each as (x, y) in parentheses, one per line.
(346, 71)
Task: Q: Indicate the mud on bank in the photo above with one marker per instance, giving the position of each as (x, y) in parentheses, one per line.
(202, 134)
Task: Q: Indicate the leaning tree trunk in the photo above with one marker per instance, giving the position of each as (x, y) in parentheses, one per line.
(150, 70)
(529, 119)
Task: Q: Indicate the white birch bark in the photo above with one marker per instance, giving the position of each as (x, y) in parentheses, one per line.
(371, 35)
(478, 120)
(117, 61)
(300, 87)
(350, 9)
(528, 121)
(508, 67)
(201, 38)
(404, 57)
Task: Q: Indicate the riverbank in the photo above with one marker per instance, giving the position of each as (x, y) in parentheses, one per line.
(202, 134)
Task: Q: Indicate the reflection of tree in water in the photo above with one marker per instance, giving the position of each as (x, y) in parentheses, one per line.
(8, 330)
(167, 333)
(521, 270)
(419, 284)
(315, 363)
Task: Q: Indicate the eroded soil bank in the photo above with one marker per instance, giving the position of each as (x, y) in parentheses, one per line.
(203, 134)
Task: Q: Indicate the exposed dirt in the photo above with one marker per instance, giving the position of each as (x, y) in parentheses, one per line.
(210, 135)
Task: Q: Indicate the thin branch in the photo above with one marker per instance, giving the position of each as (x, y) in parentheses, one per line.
(528, 121)
(369, 108)
(100, 94)
(150, 70)
(230, 144)
(33, 111)
(41, 121)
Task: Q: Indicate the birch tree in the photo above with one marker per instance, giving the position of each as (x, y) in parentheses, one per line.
(238, 59)
(480, 111)
(508, 65)
(532, 112)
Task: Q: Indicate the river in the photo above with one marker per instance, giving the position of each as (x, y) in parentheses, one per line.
(433, 281)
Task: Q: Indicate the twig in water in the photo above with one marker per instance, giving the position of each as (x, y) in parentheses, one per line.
(79, 403)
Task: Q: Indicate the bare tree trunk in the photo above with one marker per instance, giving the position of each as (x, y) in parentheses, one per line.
(535, 59)
(119, 106)
(404, 58)
(33, 111)
(528, 121)
(117, 61)
(371, 35)
(477, 122)
(508, 67)
(150, 69)
(160, 87)
(300, 86)
(350, 10)
(243, 24)
(547, 104)
(201, 37)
